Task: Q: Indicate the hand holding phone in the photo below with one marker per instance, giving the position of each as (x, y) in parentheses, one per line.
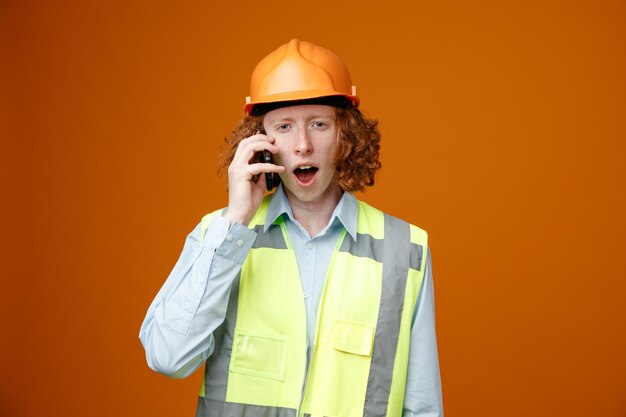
(245, 193)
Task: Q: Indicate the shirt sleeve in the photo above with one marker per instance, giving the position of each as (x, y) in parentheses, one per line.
(423, 386)
(177, 332)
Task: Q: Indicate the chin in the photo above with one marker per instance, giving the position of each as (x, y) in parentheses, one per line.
(306, 197)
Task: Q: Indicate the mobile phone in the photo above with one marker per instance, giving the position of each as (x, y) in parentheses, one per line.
(272, 179)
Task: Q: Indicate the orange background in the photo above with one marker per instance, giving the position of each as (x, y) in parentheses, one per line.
(504, 136)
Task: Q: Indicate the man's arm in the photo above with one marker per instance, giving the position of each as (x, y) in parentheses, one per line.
(423, 386)
(177, 332)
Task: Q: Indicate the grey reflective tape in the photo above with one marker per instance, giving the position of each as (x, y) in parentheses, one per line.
(415, 259)
(214, 408)
(365, 246)
(395, 270)
(216, 368)
(273, 238)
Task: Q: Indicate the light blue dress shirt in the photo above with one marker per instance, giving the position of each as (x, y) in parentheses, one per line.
(177, 333)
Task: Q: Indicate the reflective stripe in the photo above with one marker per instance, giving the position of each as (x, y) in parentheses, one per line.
(415, 259)
(365, 246)
(395, 269)
(215, 378)
(273, 238)
(213, 408)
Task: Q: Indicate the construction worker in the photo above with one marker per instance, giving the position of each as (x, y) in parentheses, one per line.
(303, 301)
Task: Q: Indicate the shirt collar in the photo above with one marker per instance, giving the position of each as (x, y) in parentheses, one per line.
(346, 211)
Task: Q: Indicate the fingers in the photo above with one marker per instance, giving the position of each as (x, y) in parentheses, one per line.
(263, 168)
(257, 143)
(245, 182)
(252, 172)
(244, 164)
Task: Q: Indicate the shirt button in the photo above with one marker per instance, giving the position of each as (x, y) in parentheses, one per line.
(229, 238)
(306, 295)
(240, 243)
(201, 280)
(308, 246)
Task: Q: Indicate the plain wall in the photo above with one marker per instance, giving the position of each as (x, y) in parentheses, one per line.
(504, 136)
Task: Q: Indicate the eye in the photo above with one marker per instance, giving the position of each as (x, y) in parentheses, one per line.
(282, 127)
(318, 124)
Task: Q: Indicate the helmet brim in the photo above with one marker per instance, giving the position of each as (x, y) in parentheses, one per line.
(296, 96)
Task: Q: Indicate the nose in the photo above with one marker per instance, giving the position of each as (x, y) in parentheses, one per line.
(303, 145)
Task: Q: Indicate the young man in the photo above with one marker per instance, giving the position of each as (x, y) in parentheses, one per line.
(305, 301)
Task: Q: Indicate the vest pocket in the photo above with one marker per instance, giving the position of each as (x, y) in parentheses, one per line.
(259, 355)
(353, 337)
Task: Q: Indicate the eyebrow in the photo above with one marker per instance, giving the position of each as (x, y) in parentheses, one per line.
(314, 116)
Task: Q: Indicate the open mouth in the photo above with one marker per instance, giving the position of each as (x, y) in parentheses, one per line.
(305, 173)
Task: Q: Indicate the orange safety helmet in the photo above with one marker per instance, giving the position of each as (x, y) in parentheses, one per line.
(299, 71)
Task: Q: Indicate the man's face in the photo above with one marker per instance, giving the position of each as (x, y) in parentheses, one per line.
(306, 136)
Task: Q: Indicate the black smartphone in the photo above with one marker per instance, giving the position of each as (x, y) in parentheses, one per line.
(272, 179)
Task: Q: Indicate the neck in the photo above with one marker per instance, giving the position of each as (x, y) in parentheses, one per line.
(314, 215)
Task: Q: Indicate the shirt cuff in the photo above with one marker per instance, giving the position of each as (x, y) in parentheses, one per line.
(237, 243)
